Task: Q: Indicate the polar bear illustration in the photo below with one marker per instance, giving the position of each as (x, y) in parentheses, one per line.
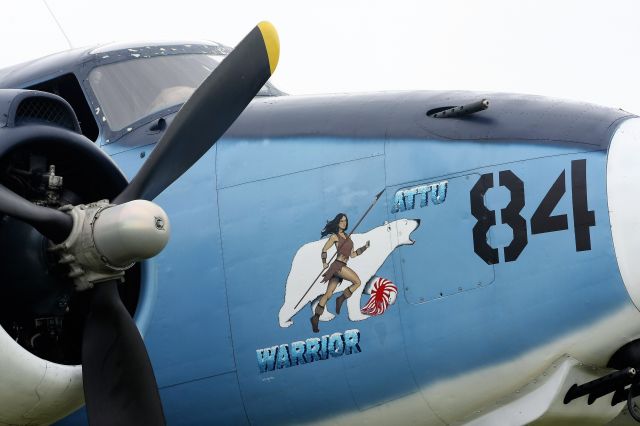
(306, 266)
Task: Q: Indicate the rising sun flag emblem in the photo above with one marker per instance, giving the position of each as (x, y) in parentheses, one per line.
(383, 294)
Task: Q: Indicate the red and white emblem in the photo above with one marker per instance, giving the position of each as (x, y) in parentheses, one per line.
(383, 293)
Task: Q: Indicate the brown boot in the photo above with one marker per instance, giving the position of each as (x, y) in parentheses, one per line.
(315, 319)
(340, 300)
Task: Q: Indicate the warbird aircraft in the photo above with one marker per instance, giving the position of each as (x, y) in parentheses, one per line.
(388, 258)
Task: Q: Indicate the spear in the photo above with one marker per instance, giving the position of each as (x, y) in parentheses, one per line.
(373, 203)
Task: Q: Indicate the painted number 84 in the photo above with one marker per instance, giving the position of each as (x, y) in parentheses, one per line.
(542, 221)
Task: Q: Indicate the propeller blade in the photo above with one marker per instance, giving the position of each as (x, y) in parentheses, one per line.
(210, 111)
(118, 380)
(51, 223)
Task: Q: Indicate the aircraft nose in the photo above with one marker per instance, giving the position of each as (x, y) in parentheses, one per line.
(623, 190)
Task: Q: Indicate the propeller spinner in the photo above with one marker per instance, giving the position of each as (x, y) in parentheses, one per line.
(102, 239)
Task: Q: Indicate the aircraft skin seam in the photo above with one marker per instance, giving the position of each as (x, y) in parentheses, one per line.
(226, 294)
(199, 379)
(417, 389)
(467, 172)
(432, 137)
(354, 401)
(403, 336)
(140, 147)
(457, 174)
(300, 171)
(428, 134)
(404, 351)
(488, 166)
(596, 147)
(615, 125)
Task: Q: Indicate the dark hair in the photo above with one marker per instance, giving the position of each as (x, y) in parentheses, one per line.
(332, 225)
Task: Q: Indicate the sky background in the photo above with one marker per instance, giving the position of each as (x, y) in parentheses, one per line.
(584, 50)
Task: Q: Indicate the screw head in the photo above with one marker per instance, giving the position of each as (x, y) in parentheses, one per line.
(159, 223)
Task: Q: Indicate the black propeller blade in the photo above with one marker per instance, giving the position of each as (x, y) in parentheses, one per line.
(209, 112)
(119, 384)
(51, 223)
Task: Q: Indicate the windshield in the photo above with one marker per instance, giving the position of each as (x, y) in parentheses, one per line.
(130, 90)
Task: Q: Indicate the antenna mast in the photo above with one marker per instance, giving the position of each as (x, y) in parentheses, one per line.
(58, 23)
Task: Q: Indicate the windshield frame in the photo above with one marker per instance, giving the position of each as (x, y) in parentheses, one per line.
(99, 58)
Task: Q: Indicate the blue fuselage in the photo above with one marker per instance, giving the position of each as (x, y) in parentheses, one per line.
(494, 272)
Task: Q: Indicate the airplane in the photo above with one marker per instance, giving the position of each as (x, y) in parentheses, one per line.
(424, 257)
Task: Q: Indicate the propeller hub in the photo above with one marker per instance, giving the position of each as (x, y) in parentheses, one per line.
(130, 232)
(108, 239)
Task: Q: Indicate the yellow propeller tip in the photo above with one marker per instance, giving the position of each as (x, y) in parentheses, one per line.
(271, 42)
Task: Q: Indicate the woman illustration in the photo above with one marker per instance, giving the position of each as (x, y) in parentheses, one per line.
(338, 270)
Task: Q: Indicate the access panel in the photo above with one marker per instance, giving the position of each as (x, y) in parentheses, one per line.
(442, 261)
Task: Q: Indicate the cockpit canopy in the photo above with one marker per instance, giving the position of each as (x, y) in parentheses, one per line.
(116, 88)
(130, 90)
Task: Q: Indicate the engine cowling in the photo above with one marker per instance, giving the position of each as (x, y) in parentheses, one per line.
(45, 159)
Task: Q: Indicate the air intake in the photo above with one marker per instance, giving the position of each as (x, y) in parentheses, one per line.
(41, 110)
(28, 107)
